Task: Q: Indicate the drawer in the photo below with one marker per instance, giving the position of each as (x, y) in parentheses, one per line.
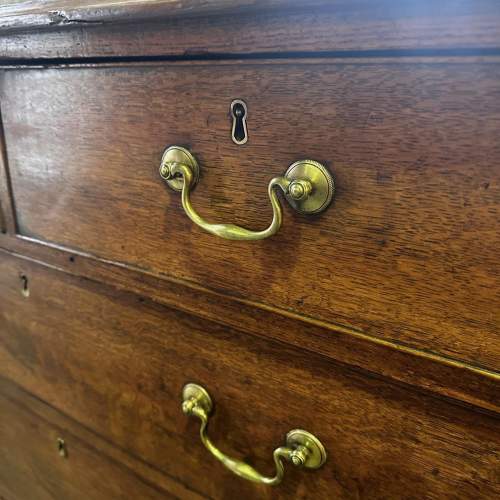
(35, 464)
(408, 250)
(117, 364)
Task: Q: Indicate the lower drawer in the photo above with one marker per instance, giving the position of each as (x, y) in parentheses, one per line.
(117, 364)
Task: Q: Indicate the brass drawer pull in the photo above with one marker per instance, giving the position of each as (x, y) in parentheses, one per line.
(302, 448)
(307, 185)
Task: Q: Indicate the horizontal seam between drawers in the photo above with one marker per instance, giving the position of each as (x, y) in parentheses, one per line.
(221, 56)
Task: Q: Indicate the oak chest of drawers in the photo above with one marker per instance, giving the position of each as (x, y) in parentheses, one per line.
(276, 220)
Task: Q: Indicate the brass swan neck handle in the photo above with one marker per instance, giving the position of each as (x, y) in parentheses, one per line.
(307, 186)
(302, 448)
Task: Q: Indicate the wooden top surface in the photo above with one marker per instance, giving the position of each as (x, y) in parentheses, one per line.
(56, 29)
(49, 13)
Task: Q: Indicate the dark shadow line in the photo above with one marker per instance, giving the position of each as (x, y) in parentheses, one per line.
(211, 56)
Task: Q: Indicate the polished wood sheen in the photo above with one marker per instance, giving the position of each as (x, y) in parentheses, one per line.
(30, 14)
(118, 366)
(68, 29)
(409, 249)
(373, 325)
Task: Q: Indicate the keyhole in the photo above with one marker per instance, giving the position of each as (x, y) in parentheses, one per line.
(239, 132)
(24, 286)
(61, 448)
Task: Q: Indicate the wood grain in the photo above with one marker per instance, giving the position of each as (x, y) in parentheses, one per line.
(461, 382)
(398, 280)
(407, 253)
(63, 13)
(340, 26)
(117, 363)
(31, 468)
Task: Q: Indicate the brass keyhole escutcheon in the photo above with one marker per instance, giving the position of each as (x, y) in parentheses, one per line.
(239, 114)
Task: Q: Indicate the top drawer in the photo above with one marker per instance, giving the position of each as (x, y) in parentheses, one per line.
(409, 248)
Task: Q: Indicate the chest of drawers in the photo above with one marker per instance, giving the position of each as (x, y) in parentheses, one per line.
(358, 344)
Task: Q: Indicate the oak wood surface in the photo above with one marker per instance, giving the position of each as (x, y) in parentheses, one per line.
(407, 281)
(339, 26)
(31, 468)
(16, 14)
(116, 363)
(461, 382)
(409, 250)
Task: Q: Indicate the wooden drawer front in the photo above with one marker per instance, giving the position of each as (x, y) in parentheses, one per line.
(117, 364)
(31, 467)
(409, 249)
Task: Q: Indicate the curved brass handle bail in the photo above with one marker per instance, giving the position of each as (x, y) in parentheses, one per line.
(307, 185)
(230, 231)
(302, 448)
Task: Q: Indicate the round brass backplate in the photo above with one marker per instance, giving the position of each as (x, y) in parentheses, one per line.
(317, 453)
(201, 396)
(323, 186)
(180, 155)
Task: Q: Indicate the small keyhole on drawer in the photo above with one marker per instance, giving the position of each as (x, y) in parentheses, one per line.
(61, 448)
(24, 286)
(239, 114)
